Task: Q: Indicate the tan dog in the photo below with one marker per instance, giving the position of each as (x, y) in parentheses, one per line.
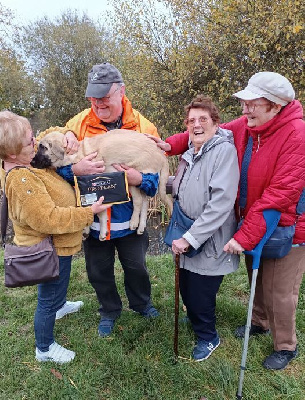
(120, 146)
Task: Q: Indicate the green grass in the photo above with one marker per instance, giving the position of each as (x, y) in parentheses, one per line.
(136, 363)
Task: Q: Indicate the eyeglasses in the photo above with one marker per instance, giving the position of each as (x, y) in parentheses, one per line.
(32, 142)
(201, 120)
(251, 107)
(104, 99)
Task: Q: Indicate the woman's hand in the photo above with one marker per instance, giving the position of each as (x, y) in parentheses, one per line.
(180, 246)
(160, 143)
(98, 206)
(233, 247)
(71, 143)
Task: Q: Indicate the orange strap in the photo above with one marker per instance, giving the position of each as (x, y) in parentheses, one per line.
(108, 223)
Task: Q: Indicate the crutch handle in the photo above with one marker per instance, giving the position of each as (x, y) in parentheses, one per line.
(272, 218)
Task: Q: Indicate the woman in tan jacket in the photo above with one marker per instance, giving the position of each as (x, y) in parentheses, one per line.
(41, 203)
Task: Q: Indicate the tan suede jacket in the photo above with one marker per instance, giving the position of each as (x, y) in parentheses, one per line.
(41, 203)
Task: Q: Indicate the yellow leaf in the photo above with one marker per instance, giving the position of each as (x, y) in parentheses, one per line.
(297, 28)
(72, 383)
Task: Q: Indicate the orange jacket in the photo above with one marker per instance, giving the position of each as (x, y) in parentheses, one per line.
(87, 124)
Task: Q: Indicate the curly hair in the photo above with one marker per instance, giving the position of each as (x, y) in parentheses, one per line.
(205, 103)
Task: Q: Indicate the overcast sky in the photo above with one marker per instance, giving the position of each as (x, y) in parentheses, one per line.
(29, 10)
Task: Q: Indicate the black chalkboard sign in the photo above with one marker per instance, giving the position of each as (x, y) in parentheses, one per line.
(113, 186)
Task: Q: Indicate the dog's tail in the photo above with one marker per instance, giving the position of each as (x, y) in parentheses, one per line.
(164, 174)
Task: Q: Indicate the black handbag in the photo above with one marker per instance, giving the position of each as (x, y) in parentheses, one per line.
(279, 243)
(27, 265)
(178, 225)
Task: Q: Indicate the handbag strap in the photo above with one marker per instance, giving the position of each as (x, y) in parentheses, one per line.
(4, 218)
(244, 174)
(182, 176)
(301, 204)
(4, 207)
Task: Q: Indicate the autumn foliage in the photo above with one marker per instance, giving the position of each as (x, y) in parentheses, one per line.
(168, 51)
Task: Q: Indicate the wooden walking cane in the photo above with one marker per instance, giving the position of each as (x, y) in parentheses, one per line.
(177, 270)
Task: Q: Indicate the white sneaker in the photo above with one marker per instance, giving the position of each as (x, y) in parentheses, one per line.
(68, 308)
(56, 354)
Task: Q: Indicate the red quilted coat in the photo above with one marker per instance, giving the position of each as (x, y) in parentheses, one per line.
(276, 174)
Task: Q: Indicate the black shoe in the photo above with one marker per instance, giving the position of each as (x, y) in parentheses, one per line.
(254, 330)
(280, 359)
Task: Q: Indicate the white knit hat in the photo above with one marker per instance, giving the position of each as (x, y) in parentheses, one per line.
(271, 86)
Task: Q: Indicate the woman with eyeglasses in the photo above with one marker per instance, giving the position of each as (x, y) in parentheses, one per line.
(276, 177)
(40, 204)
(206, 185)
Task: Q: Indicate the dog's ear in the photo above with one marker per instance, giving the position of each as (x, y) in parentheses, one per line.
(58, 150)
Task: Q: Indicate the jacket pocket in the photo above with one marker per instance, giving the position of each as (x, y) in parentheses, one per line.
(212, 247)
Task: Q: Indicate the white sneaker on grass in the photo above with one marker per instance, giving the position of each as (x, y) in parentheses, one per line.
(56, 354)
(68, 308)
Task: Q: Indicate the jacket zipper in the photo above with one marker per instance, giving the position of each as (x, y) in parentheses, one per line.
(258, 142)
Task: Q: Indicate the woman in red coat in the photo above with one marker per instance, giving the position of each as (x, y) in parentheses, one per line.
(276, 177)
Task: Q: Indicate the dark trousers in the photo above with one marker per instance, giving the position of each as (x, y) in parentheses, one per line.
(198, 293)
(100, 258)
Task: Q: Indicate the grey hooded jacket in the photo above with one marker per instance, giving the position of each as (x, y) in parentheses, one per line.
(207, 184)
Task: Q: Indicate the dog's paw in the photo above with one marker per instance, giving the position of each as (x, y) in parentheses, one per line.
(103, 236)
(134, 223)
(141, 228)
